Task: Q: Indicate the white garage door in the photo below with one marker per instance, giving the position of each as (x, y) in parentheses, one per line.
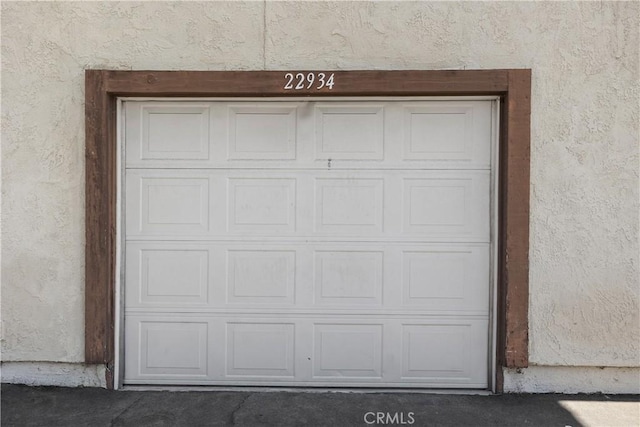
(307, 243)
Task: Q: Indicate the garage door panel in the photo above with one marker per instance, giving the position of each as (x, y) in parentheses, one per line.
(353, 135)
(449, 133)
(348, 351)
(174, 276)
(169, 274)
(349, 204)
(174, 202)
(447, 205)
(166, 131)
(262, 204)
(348, 277)
(261, 276)
(262, 132)
(438, 133)
(306, 350)
(309, 243)
(261, 349)
(348, 131)
(446, 278)
(445, 351)
(387, 205)
(167, 203)
(431, 278)
(165, 348)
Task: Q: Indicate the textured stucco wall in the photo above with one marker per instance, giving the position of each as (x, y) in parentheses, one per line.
(585, 291)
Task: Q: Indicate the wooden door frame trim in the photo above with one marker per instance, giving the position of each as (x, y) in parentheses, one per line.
(103, 87)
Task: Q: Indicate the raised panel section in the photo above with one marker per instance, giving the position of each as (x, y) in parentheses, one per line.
(266, 204)
(446, 134)
(348, 277)
(445, 352)
(171, 204)
(451, 206)
(262, 133)
(347, 350)
(260, 349)
(438, 133)
(438, 275)
(349, 132)
(438, 203)
(349, 205)
(172, 348)
(446, 278)
(175, 132)
(265, 276)
(173, 276)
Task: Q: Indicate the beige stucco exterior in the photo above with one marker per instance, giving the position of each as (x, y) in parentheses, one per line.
(584, 247)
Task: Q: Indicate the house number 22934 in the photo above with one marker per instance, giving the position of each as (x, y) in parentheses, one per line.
(301, 81)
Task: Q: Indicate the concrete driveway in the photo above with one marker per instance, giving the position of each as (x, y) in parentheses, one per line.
(53, 406)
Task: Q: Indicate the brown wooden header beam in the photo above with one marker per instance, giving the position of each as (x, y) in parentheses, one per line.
(271, 83)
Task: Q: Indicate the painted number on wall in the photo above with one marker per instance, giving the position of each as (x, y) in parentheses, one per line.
(301, 81)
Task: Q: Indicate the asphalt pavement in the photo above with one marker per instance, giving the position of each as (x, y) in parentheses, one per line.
(57, 406)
